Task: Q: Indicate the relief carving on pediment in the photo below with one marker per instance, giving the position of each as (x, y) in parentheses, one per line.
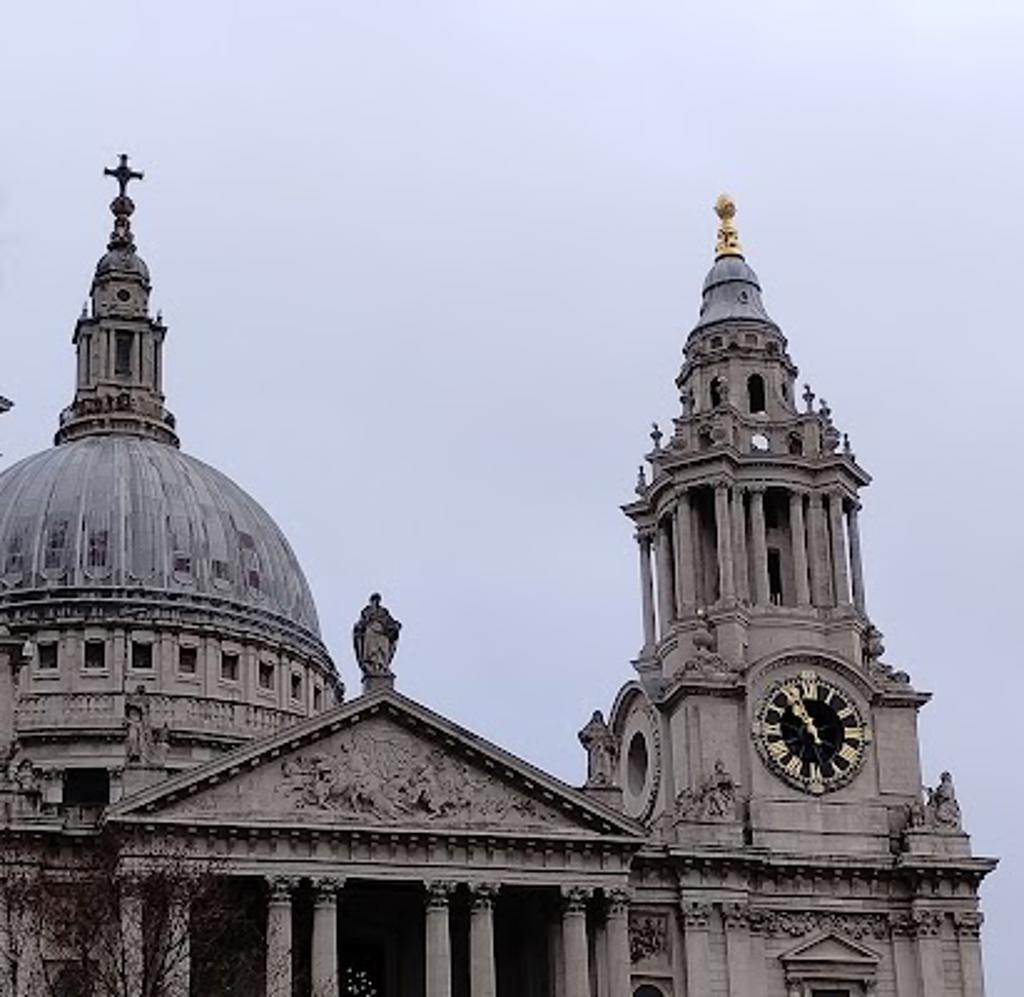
(382, 773)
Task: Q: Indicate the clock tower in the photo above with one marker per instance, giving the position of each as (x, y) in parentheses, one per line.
(764, 742)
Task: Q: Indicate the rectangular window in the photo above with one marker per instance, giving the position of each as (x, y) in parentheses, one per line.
(95, 654)
(229, 666)
(97, 557)
(56, 540)
(188, 659)
(48, 656)
(296, 685)
(266, 675)
(123, 354)
(318, 699)
(182, 564)
(221, 570)
(142, 655)
(15, 557)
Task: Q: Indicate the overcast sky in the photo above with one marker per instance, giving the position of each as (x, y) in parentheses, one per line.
(428, 269)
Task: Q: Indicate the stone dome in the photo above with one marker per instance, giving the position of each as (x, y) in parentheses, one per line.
(138, 519)
(731, 291)
(123, 262)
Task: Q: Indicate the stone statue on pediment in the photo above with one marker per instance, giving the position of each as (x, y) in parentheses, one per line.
(602, 749)
(375, 640)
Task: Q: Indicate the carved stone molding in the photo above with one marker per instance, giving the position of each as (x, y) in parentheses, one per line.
(575, 899)
(696, 915)
(798, 923)
(648, 936)
(439, 892)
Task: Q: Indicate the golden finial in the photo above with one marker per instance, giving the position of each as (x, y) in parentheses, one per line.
(728, 238)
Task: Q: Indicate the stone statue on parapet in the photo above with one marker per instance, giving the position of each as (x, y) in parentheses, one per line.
(375, 640)
(940, 810)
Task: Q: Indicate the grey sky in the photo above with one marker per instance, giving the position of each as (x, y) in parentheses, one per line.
(428, 268)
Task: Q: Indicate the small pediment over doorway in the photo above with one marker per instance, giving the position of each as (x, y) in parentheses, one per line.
(831, 963)
(378, 762)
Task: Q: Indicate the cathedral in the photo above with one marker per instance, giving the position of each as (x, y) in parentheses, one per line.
(179, 749)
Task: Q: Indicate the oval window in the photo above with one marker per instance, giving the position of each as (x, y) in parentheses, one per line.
(636, 764)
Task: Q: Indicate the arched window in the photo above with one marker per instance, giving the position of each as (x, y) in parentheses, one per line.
(715, 392)
(647, 991)
(796, 444)
(755, 392)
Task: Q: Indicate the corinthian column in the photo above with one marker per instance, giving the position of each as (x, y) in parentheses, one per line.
(666, 586)
(575, 950)
(617, 935)
(759, 542)
(438, 939)
(739, 543)
(279, 938)
(643, 540)
(179, 950)
(856, 565)
(817, 554)
(840, 579)
(726, 576)
(482, 973)
(696, 924)
(132, 940)
(686, 565)
(325, 937)
(798, 538)
(968, 934)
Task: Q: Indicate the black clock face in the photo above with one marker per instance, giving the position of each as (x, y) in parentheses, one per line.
(811, 733)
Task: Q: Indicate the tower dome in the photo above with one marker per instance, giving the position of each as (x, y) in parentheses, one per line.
(163, 613)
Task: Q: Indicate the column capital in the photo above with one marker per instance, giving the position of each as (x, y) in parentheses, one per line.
(645, 534)
(618, 899)
(695, 914)
(736, 916)
(325, 890)
(796, 492)
(483, 895)
(439, 892)
(756, 489)
(281, 888)
(722, 484)
(575, 898)
(968, 923)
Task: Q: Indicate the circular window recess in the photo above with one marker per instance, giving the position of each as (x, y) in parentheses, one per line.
(637, 762)
(759, 442)
(123, 295)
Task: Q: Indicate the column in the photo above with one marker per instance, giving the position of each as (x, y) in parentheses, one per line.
(798, 539)
(666, 586)
(735, 917)
(643, 540)
(856, 565)
(739, 543)
(929, 952)
(439, 947)
(968, 935)
(575, 951)
(696, 917)
(482, 974)
(279, 938)
(840, 578)
(325, 937)
(617, 936)
(759, 545)
(816, 553)
(686, 564)
(178, 957)
(726, 576)
(132, 942)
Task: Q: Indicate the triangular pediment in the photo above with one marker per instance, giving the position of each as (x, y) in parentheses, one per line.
(831, 950)
(379, 762)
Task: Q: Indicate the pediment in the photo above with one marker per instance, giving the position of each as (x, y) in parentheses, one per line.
(830, 950)
(381, 761)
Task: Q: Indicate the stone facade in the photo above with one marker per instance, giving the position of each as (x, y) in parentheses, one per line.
(753, 821)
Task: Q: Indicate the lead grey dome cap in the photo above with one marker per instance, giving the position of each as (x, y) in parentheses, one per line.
(139, 518)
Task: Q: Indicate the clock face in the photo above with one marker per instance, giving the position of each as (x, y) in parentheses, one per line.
(810, 732)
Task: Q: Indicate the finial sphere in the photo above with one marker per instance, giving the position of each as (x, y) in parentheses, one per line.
(728, 243)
